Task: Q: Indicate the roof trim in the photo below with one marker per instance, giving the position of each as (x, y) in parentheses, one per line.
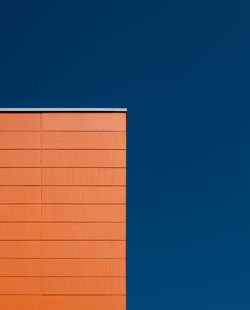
(63, 110)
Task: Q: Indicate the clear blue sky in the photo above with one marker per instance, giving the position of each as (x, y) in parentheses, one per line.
(182, 68)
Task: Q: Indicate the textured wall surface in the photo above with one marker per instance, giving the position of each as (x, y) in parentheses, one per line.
(62, 211)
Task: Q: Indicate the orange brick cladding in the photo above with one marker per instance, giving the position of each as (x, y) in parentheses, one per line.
(63, 210)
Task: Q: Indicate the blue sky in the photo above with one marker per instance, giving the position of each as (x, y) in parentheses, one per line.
(182, 70)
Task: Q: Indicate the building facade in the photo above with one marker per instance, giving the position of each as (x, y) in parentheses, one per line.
(63, 209)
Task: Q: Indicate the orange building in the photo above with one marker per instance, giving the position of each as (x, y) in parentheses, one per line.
(62, 209)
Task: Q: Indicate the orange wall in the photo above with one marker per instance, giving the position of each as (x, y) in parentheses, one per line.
(62, 211)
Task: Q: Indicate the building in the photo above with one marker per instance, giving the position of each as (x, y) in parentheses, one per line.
(63, 209)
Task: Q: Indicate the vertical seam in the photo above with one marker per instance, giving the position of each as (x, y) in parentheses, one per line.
(41, 198)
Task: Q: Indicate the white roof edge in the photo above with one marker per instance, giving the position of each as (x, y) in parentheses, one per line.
(63, 110)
